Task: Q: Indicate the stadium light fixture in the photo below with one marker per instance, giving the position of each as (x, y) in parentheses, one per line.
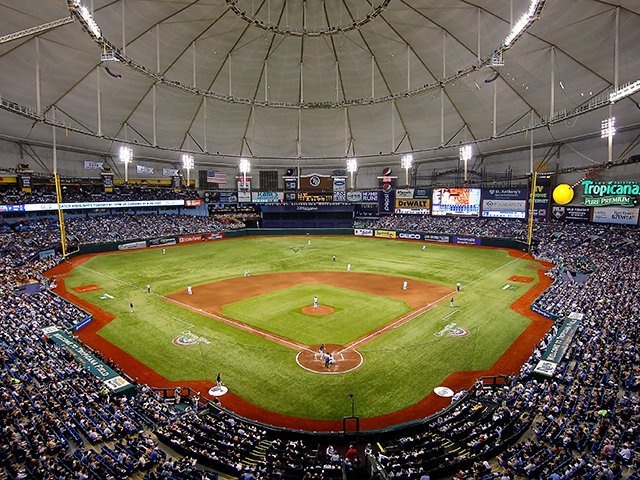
(625, 91)
(187, 164)
(407, 162)
(608, 130)
(608, 127)
(525, 22)
(466, 154)
(126, 156)
(352, 167)
(244, 167)
(93, 27)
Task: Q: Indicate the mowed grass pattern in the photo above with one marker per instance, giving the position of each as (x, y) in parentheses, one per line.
(400, 368)
(355, 315)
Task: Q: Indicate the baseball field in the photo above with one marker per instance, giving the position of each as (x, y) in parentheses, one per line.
(391, 347)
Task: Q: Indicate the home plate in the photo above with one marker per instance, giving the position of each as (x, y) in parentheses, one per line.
(218, 392)
(443, 391)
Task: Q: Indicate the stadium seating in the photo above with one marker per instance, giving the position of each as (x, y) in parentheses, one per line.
(57, 422)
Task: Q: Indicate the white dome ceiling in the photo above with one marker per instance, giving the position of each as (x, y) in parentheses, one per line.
(315, 79)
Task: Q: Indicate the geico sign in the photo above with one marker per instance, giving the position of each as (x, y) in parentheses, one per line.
(410, 236)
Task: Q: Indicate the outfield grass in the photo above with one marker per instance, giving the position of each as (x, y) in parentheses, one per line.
(410, 358)
(355, 314)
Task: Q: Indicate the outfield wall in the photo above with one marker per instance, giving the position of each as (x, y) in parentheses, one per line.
(168, 240)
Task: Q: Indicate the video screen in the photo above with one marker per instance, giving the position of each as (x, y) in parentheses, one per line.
(456, 202)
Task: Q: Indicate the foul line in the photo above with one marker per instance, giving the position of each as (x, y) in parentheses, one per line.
(176, 318)
(455, 311)
(281, 340)
(407, 318)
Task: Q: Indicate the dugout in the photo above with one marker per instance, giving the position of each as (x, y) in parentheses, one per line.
(307, 215)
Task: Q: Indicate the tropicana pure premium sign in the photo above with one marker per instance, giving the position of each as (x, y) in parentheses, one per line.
(600, 194)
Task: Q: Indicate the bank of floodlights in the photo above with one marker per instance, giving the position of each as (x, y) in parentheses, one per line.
(352, 165)
(608, 127)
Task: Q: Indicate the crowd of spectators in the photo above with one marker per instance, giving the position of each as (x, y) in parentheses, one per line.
(83, 194)
(585, 419)
(21, 244)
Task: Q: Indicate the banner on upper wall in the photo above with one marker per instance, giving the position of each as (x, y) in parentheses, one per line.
(504, 202)
(267, 197)
(145, 170)
(456, 202)
(89, 165)
(314, 197)
(169, 172)
(571, 214)
(601, 194)
(619, 215)
(339, 189)
(244, 190)
(542, 196)
(107, 181)
(387, 197)
(418, 206)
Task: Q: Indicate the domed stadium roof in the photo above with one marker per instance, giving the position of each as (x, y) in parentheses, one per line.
(314, 79)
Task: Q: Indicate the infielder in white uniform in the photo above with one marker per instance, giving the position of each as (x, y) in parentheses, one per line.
(315, 302)
(348, 267)
(404, 285)
(189, 291)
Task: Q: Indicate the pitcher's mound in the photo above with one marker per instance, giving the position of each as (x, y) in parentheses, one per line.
(321, 310)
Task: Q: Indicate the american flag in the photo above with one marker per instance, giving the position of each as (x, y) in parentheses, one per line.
(216, 177)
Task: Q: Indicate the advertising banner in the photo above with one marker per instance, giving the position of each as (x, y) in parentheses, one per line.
(427, 237)
(39, 207)
(145, 170)
(107, 181)
(267, 197)
(413, 206)
(102, 372)
(600, 194)
(354, 196)
(466, 240)
(542, 312)
(409, 235)
(24, 181)
(504, 202)
(404, 193)
(193, 202)
(339, 189)
(189, 238)
(569, 213)
(363, 232)
(560, 344)
(89, 165)
(287, 208)
(244, 190)
(157, 242)
(385, 234)
(290, 196)
(619, 215)
(213, 236)
(456, 202)
(132, 245)
(169, 172)
(387, 198)
(370, 197)
(541, 196)
(422, 193)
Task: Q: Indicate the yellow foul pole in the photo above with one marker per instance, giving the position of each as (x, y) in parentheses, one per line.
(63, 235)
(531, 210)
